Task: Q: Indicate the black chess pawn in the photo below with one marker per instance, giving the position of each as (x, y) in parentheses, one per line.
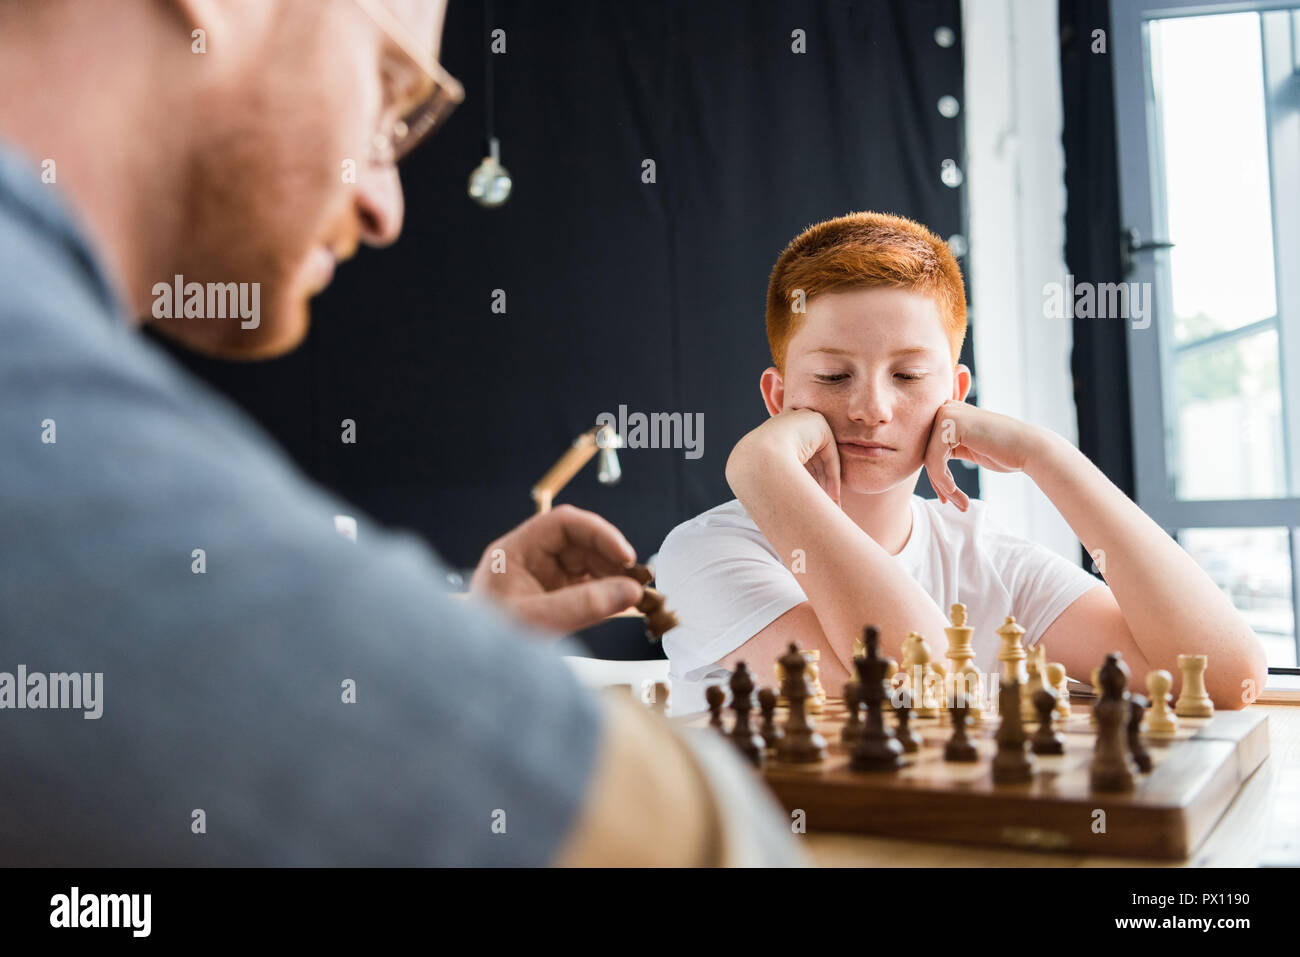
(1111, 770)
(716, 697)
(909, 739)
(1141, 756)
(877, 749)
(852, 729)
(1046, 740)
(767, 705)
(1013, 763)
(801, 743)
(747, 741)
(959, 747)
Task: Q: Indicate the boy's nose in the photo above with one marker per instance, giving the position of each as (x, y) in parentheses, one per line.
(869, 405)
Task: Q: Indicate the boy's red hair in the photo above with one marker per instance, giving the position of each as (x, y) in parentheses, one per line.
(864, 249)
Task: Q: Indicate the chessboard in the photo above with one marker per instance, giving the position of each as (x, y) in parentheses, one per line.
(1197, 772)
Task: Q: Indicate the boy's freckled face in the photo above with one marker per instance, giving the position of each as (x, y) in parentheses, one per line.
(877, 364)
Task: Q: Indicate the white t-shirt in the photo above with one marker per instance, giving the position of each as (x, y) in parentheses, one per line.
(726, 583)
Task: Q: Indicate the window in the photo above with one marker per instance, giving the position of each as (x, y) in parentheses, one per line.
(1208, 106)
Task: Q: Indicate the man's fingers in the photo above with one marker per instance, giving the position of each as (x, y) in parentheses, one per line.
(565, 525)
(577, 562)
(579, 606)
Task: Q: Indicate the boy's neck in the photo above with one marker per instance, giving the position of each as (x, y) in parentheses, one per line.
(885, 516)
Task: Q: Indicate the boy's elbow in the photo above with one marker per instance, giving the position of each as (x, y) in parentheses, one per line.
(1256, 666)
(736, 468)
(1242, 677)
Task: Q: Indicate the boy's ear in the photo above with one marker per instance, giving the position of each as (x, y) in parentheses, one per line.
(773, 388)
(961, 381)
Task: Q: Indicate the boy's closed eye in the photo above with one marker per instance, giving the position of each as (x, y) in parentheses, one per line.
(830, 378)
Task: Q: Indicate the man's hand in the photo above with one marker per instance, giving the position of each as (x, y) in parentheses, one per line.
(963, 431)
(802, 434)
(560, 570)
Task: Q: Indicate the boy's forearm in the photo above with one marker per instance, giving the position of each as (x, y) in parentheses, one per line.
(850, 580)
(1170, 605)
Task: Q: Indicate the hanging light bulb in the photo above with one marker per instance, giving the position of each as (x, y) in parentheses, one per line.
(489, 184)
(608, 469)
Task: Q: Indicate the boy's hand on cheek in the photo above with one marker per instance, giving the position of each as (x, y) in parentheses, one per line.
(800, 435)
(963, 431)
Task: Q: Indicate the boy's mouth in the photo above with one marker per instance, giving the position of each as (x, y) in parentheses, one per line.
(867, 450)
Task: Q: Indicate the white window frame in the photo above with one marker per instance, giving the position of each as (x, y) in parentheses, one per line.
(1140, 209)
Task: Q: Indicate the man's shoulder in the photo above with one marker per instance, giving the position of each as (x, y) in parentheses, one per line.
(48, 267)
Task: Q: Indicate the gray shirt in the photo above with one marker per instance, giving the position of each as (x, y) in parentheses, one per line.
(223, 691)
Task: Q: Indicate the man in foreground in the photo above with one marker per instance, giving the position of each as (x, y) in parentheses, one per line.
(271, 693)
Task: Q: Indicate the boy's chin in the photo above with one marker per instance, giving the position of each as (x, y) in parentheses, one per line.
(873, 478)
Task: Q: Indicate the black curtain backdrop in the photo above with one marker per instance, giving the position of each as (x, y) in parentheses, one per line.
(618, 292)
(1092, 235)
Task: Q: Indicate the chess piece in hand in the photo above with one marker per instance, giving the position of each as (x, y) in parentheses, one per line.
(561, 570)
(658, 617)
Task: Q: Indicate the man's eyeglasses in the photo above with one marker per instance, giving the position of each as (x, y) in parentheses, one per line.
(402, 127)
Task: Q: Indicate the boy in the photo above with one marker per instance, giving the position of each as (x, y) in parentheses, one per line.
(865, 318)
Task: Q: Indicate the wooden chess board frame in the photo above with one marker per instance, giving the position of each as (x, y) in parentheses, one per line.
(1197, 774)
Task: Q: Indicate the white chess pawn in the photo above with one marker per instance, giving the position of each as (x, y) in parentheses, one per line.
(1060, 683)
(659, 702)
(962, 655)
(904, 668)
(813, 678)
(921, 672)
(909, 643)
(1159, 719)
(968, 686)
(1195, 701)
(1096, 690)
(938, 685)
(1035, 665)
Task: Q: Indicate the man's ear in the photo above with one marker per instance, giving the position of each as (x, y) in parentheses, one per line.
(773, 388)
(961, 381)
